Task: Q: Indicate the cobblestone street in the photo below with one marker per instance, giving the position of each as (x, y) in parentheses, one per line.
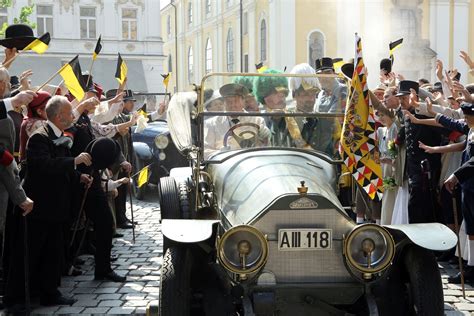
(141, 263)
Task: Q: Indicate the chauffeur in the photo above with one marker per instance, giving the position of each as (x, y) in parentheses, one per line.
(419, 211)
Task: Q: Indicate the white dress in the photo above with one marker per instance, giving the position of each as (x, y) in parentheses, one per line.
(385, 135)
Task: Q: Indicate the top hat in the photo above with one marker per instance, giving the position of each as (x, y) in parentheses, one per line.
(438, 87)
(128, 96)
(18, 36)
(467, 108)
(326, 63)
(233, 89)
(14, 82)
(404, 87)
(348, 69)
(386, 65)
(104, 152)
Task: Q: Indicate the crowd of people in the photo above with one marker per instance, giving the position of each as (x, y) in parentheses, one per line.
(64, 181)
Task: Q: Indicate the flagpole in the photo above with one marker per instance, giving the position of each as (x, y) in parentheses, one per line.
(90, 72)
(51, 78)
(10, 61)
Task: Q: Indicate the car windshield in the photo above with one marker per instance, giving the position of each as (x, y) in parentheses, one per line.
(271, 111)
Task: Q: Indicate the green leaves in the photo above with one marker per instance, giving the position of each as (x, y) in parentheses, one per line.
(25, 13)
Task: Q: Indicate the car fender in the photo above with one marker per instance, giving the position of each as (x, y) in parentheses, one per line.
(433, 236)
(181, 174)
(188, 230)
(142, 150)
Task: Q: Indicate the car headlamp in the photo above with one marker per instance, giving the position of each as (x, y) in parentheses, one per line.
(161, 141)
(243, 249)
(369, 248)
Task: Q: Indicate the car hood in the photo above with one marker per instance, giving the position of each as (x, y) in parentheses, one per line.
(246, 183)
(150, 132)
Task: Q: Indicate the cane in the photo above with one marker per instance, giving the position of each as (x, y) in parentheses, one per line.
(131, 210)
(81, 211)
(456, 227)
(81, 242)
(27, 266)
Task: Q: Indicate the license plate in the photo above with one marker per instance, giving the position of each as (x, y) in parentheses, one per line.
(304, 239)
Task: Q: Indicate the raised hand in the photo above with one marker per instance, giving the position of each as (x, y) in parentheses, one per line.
(464, 56)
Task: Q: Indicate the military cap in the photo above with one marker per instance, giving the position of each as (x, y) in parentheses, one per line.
(233, 89)
(467, 108)
(18, 36)
(298, 84)
(326, 64)
(104, 152)
(264, 86)
(404, 87)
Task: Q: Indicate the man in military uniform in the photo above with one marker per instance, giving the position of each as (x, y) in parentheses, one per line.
(419, 179)
(225, 132)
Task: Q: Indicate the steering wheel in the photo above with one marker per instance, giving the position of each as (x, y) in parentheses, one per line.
(245, 138)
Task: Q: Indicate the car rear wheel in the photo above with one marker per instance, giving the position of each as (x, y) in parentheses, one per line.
(175, 285)
(424, 286)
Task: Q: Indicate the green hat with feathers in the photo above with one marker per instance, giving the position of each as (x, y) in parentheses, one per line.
(264, 86)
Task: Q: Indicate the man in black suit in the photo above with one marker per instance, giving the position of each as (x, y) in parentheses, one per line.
(51, 180)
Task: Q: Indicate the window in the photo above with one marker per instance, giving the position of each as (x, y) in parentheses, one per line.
(168, 25)
(170, 64)
(129, 24)
(190, 66)
(246, 63)
(208, 56)
(3, 16)
(44, 19)
(316, 47)
(88, 23)
(263, 41)
(230, 51)
(245, 23)
(190, 13)
(208, 6)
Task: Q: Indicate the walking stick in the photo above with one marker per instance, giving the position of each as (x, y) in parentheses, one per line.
(81, 242)
(456, 227)
(131, 210)
(81, 211)
(27, 266)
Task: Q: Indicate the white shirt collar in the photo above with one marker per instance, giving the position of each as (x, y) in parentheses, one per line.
(55, 129)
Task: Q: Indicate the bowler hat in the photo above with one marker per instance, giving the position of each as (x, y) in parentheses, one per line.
(233, 89)
(467, 108)
(386, 65)
(326, 63)
(348, 69)
(104, 152)
(404, 87)
(18, 35)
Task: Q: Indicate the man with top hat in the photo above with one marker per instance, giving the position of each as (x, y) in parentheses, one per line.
(422, 169)
(332, 97)
(48, 159)
(234, 132)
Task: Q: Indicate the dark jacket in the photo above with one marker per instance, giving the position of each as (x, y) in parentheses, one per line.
(51, 178)
(3, 110)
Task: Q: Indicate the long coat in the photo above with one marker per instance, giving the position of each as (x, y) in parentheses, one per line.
(51, 178)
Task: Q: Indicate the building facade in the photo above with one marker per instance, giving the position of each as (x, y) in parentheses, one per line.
(131, 27)
(233, 35)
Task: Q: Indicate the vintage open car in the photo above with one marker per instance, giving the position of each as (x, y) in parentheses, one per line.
(256, 225)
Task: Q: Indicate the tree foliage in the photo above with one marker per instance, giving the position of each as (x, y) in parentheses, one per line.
(25, 13)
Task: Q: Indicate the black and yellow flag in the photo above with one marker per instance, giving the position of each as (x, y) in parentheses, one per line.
(142, 177)
(121, 72)
(98, 48)
(260, 67)
(39, 45)
(166, 79)
(393, 46)
(72, 75)
(337, 62)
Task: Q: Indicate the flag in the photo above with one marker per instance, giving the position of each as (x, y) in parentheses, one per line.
(72, 76)
(121, 72)
(260, 68)
(337, 62)
(358, 147)
(393, 46)
(39, 45)
(142, 177)
(98, 48)
(166, 79)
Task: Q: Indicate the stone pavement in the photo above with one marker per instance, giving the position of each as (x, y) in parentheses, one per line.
(141, 262)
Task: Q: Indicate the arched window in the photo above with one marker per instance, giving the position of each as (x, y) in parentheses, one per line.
(316, 47)
(190, 66)
(170, 64)
(190, 13)
(263, 40)
(230, 51)
(208, 56)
